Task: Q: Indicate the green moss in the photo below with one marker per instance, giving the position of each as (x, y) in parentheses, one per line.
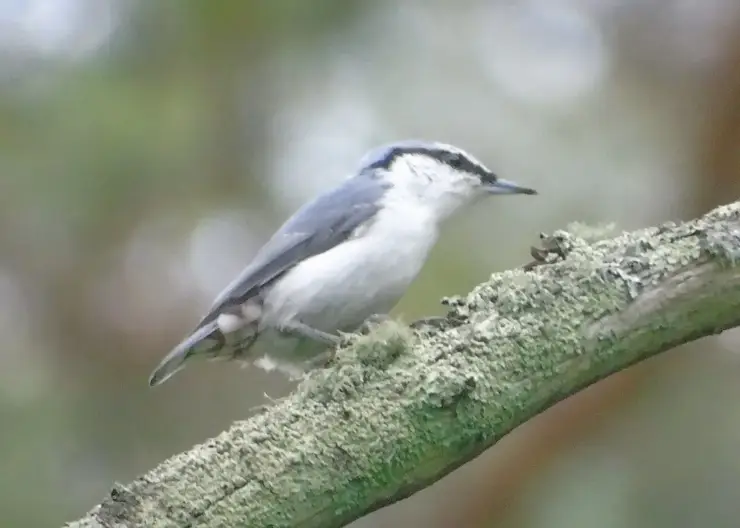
(398, 409)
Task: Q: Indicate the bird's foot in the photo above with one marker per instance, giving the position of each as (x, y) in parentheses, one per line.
(322, 360)
(299, 329)
(373, 321)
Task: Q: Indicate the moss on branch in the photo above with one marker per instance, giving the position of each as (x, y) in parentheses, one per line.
(399, 409)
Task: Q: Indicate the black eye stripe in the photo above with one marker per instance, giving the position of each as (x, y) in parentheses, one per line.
(453, 159)
(459, 161)
(456, 160)
(387, 160)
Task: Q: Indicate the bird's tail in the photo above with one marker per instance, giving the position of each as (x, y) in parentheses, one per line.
(205, 341)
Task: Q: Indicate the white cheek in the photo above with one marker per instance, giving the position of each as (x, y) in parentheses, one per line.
(229, 323)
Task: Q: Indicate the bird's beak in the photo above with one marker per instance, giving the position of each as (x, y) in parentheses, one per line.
(501, 186)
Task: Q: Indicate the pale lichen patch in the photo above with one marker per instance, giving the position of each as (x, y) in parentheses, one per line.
(378, 422)
(722, 245)
(591, 233)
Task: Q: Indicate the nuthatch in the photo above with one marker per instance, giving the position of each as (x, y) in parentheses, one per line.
(340, 260)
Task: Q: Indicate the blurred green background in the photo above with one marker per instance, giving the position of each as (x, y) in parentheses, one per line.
(147, 149)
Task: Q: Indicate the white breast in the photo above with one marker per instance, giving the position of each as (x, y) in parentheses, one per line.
(339, 289)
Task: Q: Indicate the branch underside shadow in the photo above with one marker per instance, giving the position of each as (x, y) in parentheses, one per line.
(398, 409)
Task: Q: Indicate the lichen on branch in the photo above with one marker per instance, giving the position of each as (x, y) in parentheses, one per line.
(398, 409)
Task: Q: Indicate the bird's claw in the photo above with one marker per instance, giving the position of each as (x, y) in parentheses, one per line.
(323, 360)
(374, 320)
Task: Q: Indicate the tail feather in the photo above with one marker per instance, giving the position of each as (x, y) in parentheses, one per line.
(208, 335)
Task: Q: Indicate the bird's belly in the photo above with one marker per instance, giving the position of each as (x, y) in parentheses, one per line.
(339, 289)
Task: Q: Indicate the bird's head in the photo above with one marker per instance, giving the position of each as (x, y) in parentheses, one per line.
(436, 175)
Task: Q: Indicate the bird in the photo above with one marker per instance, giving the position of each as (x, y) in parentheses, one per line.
(341, 260)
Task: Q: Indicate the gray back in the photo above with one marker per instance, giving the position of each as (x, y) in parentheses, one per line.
(317, 227)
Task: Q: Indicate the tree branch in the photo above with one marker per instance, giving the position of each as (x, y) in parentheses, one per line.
(399, 410)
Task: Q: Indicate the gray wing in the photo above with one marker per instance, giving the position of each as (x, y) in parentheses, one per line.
(315, 228)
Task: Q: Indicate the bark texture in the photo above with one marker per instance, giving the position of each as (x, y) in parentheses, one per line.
(399, 409)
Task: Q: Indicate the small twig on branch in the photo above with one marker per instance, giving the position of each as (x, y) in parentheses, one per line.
(399, 409)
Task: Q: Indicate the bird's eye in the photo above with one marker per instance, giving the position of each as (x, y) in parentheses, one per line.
(454, 159)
